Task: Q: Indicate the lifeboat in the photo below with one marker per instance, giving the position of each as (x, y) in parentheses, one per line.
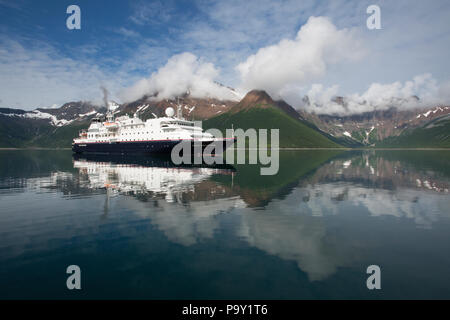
(111, 125)
(83, 134)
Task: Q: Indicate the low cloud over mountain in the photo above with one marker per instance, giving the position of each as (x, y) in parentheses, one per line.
(291, 70)
(182, 73)
(422, 91)
(291, 49)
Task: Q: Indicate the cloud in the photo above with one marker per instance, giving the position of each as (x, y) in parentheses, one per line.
(182, 73)
(318, 44)
(422, 91)
(155, 12)
(228, 34)
(39, 76)
(127, 33)
(289, 69)
(11, 4)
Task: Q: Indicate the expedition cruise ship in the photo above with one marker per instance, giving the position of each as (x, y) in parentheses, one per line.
(127, 134)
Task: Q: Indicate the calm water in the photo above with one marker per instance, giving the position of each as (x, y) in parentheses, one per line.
(141, 228)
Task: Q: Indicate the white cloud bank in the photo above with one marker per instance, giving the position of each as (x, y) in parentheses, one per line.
(422, 91)
(411, 42)
(318, 44)
(182, 73)
(288, 70)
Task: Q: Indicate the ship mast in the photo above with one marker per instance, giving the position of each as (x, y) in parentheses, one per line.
(179, 111)
(109, 114)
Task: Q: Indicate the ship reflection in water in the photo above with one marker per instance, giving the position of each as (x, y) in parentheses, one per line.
(142, 227)
(144, 175)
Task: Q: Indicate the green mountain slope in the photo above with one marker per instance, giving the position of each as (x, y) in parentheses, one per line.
(60, 137)
(258, 111)
(19, 132)
(435, 134)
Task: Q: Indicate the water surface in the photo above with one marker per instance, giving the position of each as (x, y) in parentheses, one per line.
(142, 228)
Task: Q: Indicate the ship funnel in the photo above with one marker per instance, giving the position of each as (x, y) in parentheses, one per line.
(105, 97)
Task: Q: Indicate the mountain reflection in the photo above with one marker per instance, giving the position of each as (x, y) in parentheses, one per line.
(291, 224)
(392, 170)
(304, 214)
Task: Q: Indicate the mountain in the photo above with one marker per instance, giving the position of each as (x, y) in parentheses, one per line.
(414, 128)
(433, 134)
(58, 126)
(16, 129)
(73, 111)
(191, 108)
(375, 128)
(259, 111)
(45, 127)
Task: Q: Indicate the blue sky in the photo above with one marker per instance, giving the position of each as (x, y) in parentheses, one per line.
(120, 43)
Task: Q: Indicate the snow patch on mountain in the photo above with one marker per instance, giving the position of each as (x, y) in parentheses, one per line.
(36, 114)
(112, 105)
(87, 114)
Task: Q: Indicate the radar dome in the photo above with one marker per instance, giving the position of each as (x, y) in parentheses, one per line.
(170, 112)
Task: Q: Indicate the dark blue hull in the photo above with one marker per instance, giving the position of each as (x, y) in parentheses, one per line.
(138, 147)
(162, 160)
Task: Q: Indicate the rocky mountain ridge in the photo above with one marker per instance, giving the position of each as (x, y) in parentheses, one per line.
(363, 129)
